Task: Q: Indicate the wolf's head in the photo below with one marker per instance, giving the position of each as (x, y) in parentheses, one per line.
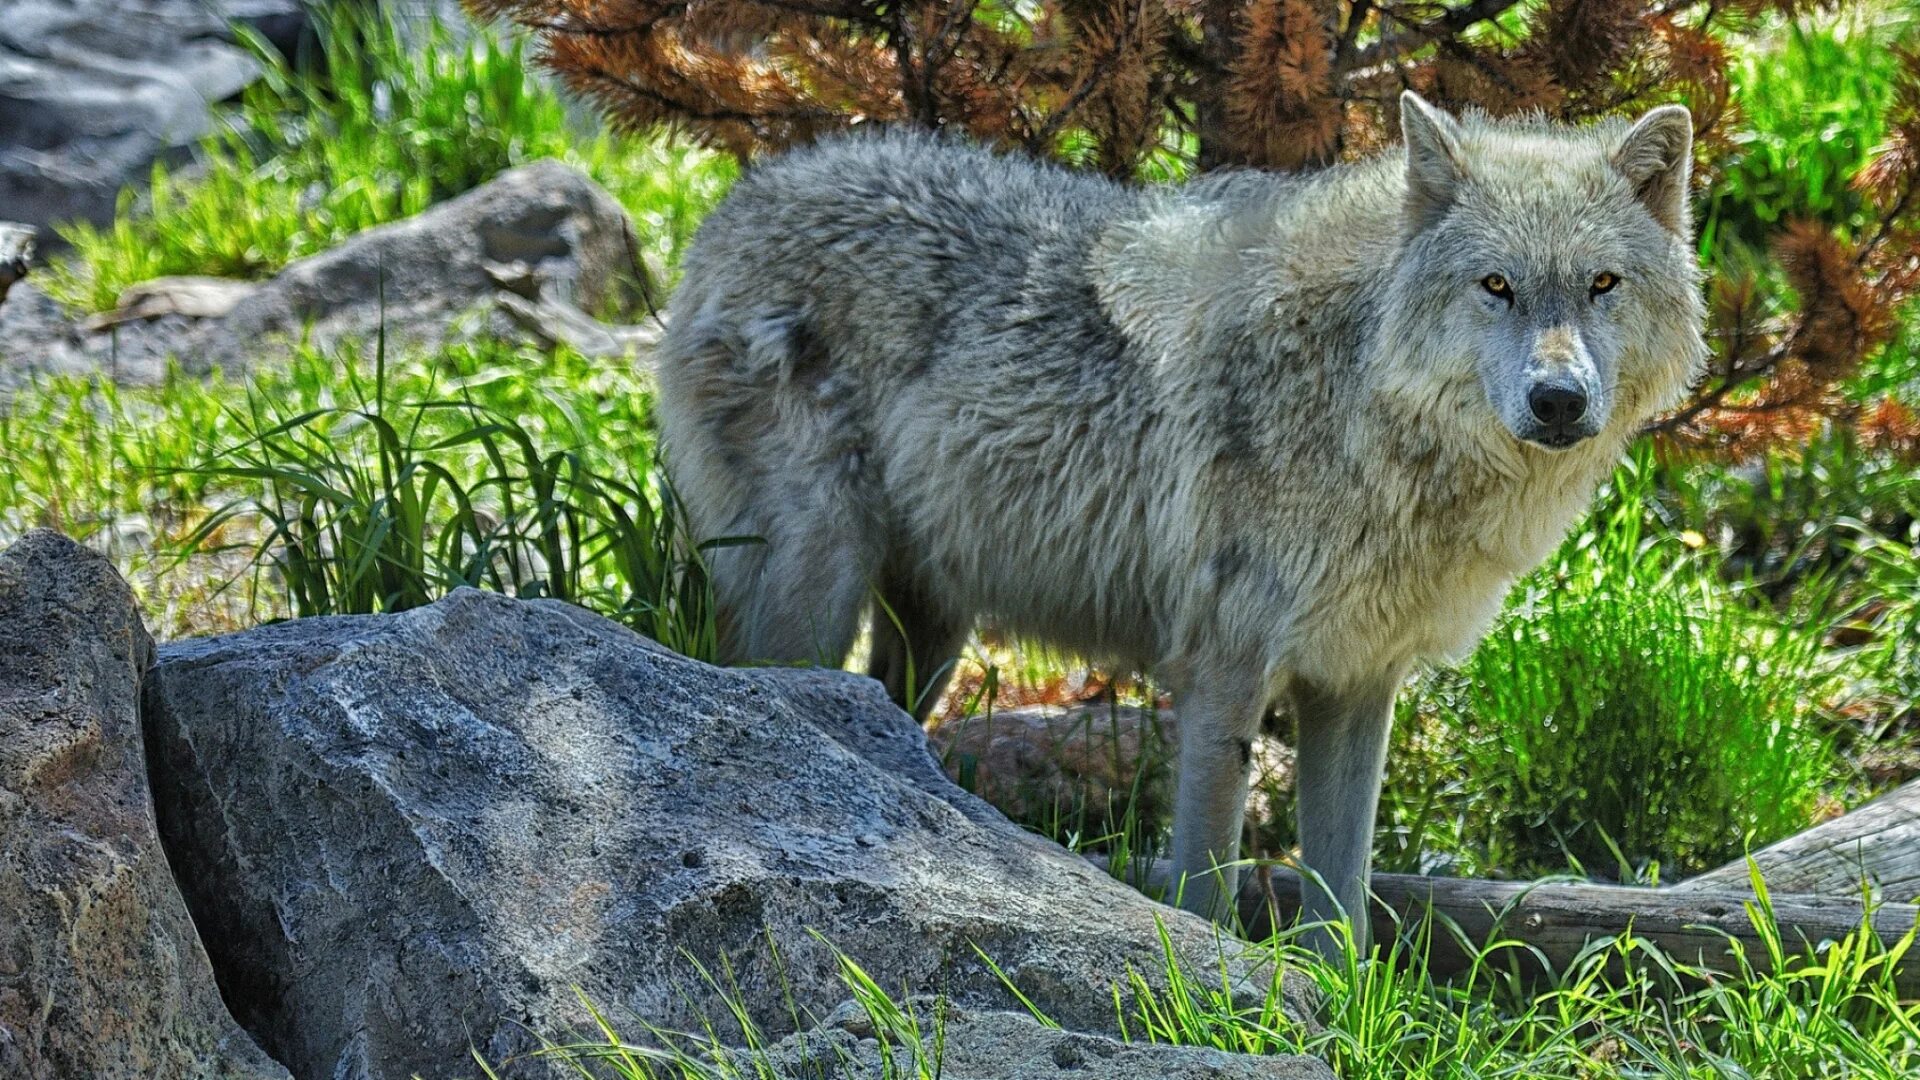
(1554, 263)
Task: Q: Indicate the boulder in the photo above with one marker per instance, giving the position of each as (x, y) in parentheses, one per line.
(1013, 1046)
(101, 975)
(545, 227)
(417, 277)
(405, 835)
(93, 92)
(39, 337)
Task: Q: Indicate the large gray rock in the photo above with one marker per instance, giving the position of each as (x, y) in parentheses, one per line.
(101, 975)
(1012, 1046)
(544, 227)
(92, 92)
(405, 834)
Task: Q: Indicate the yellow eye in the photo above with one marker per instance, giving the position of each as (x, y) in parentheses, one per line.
(1604, 283)
(1498, 286)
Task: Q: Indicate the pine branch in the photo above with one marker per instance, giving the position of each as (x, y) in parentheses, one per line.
(1356, 18)
(1410, 39)
(1088, 82)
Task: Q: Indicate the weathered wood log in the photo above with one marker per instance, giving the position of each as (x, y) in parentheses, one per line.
(1695, 927)
(1878, 844)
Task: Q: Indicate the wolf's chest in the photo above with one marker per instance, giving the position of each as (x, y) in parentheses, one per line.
(1425, 585)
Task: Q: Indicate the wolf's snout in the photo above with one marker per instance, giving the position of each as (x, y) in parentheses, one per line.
(1557, 405)
(1561, 413)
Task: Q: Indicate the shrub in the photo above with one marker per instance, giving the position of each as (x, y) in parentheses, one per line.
(1627, 710)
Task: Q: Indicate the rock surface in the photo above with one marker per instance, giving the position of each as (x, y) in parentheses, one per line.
(92, 92)
(417, 276)
(1013, 1046)
(544, 226)
(405, 835)
(101, 975)
(16, 253)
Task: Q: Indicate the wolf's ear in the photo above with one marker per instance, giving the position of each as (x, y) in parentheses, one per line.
(1656, 157)
(1433, 159)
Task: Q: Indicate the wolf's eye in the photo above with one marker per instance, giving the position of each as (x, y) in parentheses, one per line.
(1604, 282)
(1498, 286)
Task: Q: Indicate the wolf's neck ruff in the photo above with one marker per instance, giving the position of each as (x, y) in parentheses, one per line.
(1273, 436)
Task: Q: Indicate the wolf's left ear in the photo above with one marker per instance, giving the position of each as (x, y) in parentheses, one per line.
(1656, 157)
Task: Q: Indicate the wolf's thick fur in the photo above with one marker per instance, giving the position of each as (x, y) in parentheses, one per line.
(1274, 438)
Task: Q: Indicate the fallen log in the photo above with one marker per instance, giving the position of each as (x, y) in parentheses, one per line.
(1559, 920)
(1878, 844)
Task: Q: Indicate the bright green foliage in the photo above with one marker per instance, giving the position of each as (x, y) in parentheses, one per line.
(1813, 97)
(1891, 657)
(376, 487)
(1628, 710)
(1623, 1009)
(385, 501)
(1781, 519)
(83, 454)
(374, 130)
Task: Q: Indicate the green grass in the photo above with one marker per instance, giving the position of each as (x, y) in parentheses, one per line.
(369, 132)
(385, 501)
(1621, 1009)
(1813, 95)
(363, 486)
(1628, 710)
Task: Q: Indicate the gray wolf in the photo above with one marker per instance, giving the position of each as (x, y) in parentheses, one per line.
(1273, 438)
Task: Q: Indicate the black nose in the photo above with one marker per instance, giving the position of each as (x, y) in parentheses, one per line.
(1557, 404)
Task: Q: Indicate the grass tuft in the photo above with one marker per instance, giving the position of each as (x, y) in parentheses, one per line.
(385, 501)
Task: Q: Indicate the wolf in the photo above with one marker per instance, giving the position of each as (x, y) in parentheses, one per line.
(1274, 438)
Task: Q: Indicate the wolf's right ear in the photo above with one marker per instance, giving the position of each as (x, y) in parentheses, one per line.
(1433, 159)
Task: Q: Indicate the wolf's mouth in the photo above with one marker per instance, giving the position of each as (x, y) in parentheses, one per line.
(1557, 440)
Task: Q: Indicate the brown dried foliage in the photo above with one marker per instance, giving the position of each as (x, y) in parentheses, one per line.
(1272, 84)
(1776, 377)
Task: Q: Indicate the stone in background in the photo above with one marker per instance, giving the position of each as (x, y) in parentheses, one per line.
(542, 227)
(93, 92)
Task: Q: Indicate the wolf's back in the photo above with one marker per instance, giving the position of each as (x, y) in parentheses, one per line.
(884, 243)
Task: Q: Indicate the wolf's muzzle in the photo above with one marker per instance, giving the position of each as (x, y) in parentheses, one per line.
(1559, 409)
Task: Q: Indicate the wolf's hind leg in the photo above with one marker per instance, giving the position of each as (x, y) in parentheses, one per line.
(914, 648)
(803, 606)
(1342, 760)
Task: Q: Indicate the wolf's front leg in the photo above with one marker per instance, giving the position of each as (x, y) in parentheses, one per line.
(1217, 722)
(1342, 758)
